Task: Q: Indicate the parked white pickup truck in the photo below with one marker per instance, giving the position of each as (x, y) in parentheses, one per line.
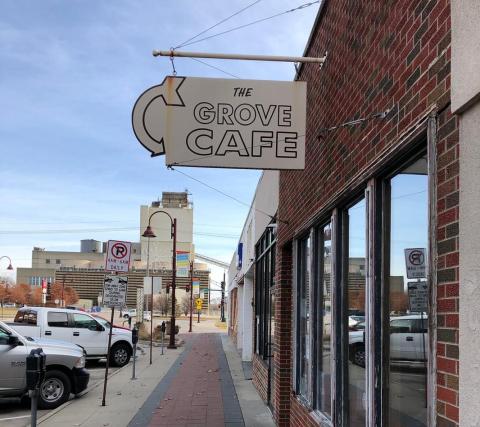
(76, 327)
(66, 371)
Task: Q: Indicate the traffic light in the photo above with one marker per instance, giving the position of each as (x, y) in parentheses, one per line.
(187, 288)
(168, 289)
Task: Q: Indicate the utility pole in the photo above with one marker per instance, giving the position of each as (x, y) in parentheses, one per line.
(191, 295)
(222, 303)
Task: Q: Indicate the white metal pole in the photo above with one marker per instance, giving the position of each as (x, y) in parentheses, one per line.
(176, 53)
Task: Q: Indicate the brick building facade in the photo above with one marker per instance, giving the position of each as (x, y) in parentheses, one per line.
(385, 57)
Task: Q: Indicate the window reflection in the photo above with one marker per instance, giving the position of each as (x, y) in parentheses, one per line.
(304, 318)
(356, 314)
(324, 342)
(408, 327)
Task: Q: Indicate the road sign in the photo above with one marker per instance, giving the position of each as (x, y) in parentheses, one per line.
(147, 285)
(114, 291)
(118, 256)
(196, 286)
(44, 286)
(418, 296)
(199, 303)
(230, 123)
(416, 263)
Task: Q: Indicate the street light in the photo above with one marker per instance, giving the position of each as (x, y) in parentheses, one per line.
(6, 283)
(148, 233)
(9, 260)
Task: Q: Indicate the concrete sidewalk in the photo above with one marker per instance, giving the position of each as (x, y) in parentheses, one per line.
(124, 395)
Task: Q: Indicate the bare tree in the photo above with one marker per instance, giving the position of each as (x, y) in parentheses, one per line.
(185, 305)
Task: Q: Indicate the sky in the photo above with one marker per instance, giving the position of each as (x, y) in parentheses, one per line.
(70, 73)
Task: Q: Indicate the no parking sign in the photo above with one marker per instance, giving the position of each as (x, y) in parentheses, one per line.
(118, 256)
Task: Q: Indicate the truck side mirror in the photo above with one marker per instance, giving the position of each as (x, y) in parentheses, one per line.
(13, 340)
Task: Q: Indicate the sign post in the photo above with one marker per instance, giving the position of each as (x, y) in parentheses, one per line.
(114, 295)
(199, 304)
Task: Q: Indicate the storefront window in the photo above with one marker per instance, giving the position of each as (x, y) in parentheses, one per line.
(408, 324)
(264, 280)
(356, 314)
(323, 296)
(304, 324)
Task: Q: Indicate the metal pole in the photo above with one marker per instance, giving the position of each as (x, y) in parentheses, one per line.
(151, 321)
(174, 274)
(134, 357)
(108, 359)
(172, 53)
(151, 313)
(222, 302)
(63, 291)
(163, 336)
(191, 295)
(33, 408)
(198, 319)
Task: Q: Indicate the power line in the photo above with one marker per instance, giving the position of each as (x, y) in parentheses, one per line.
(227, 195)
(302, 6)
(218, 23)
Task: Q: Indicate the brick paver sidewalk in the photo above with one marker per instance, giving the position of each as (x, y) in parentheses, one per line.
(200, 389)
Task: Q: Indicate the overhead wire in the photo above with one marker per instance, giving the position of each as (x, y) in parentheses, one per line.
(302, 6)
(217, 24)
(273, 217)
(216, 68)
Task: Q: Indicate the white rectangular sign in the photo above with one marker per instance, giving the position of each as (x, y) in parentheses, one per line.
(118, 256)
(415, 262)
(418, 296)
(115, 291)
(247, 124)
(147, 285)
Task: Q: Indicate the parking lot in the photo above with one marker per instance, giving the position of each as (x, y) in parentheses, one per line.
(15, 414)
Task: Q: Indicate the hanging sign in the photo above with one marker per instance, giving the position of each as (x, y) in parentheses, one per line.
(248, 124)
(418, 296)
(196, 286)
(183, 263)
(114, 291)
(118, 256)
(415, 262)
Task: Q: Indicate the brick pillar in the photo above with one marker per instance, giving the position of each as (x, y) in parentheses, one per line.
(283, 335)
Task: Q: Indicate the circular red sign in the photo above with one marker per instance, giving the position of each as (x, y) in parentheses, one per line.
(119, 250)
(416, 258)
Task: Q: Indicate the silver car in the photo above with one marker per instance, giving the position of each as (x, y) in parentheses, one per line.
(66, 371)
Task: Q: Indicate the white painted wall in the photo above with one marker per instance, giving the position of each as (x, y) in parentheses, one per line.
(465, 53)
(470, 267)
(265, 202)
(465, 100)
(247, 309)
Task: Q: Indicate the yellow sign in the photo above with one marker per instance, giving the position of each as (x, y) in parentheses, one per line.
(199, 303)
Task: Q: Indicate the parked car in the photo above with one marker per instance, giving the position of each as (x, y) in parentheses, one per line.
(147, 316)
(408, 341)
(76, 327)
(131, 312)
(66, 371)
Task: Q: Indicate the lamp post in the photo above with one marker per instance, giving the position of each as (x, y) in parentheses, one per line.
(6, 283)
(148, 233)
(9, 260)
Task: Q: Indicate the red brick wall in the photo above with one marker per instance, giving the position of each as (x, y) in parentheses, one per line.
(382, 54)
(260, 376)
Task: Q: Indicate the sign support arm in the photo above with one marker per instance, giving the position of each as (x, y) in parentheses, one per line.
(238, 56)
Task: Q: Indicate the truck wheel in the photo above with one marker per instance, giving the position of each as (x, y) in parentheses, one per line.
(54, 390)
(120, 354)
(359, 356)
